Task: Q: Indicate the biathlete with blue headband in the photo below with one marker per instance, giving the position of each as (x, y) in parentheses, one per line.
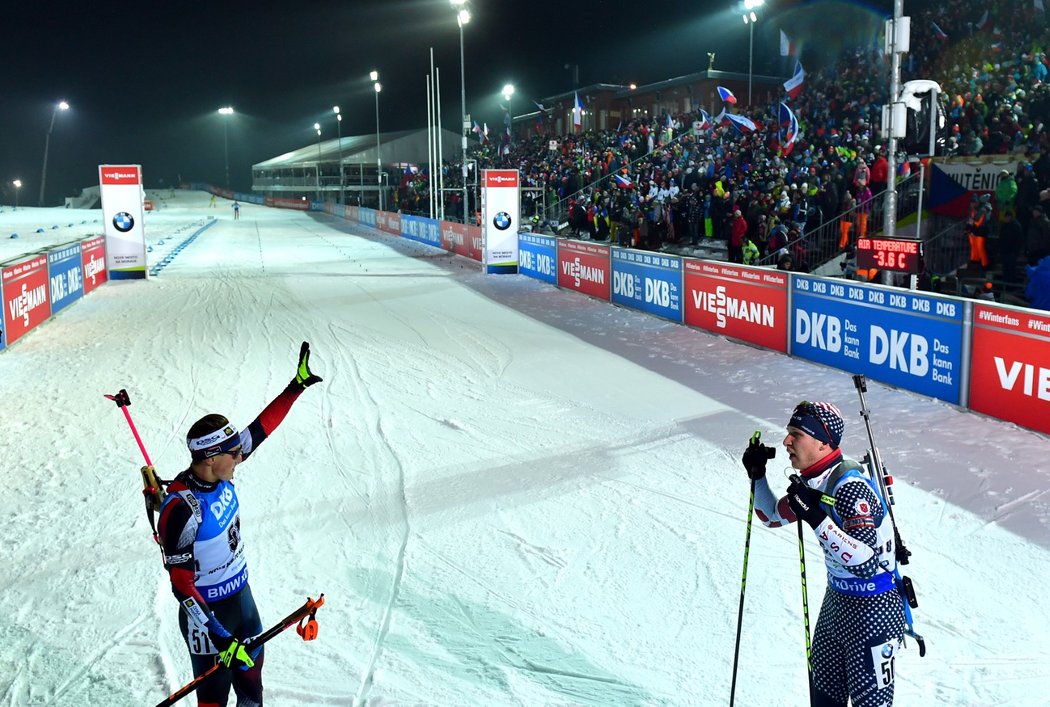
(861, 625)
(200, 532)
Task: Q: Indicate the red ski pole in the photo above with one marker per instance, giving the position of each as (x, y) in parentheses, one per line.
(123, 401)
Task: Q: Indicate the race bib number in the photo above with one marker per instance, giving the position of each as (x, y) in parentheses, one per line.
(882, 657)
(199, 642)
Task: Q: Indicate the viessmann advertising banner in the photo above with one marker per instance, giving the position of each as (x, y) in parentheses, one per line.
(93, 260)
(500, 219)
(65, 276)
(907, 340)
(1010, 365)
(537, 256)
(745, 303)
(26, 300)
(584, 267)
(122, 220)
(651, 282)
(462, 239)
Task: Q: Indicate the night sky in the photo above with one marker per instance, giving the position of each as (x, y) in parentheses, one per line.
(145, 79)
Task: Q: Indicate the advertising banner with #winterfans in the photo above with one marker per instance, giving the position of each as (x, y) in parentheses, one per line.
(122, 220)
(500, 217)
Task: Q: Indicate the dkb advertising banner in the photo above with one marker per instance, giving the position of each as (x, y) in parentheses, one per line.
(1010, 365)
(749, 304)
(907, 340)
(421, 229)
(26, 301)
(122, 219)
(366, 217)
(648, 281)
(537, 256)
(65, 276)
(93, 260)
(461, 239)
(500, 219)
(584, 267)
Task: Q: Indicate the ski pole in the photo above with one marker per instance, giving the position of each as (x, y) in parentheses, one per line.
(123, 401)
(743, 585)
(805, 610)
(307, 628)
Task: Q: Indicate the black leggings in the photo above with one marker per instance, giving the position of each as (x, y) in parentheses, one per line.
(241, 618)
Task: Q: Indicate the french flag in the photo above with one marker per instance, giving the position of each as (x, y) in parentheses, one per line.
(938, 32)
(793, 85)
(577, 112)
(726, 95)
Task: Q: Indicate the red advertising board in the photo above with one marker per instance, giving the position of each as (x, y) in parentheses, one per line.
(93, 259)
(388, 222)
(501, 177)
(461, 239)
(26, 299)
(745, 303)
(120, 174)
(585, 267)
(279, 203)
(351, 213)
(1010, 366)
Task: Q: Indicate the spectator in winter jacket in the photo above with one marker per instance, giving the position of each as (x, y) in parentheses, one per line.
(1005, 195)
(737, 233)
(1037, 242)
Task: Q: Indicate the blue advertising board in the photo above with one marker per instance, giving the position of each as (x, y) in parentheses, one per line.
(538, 257)
(651, 282)
(908, 340)
(421, 229)
(65, 272)
(366, 217)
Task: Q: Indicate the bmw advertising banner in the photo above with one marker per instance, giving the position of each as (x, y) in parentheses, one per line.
(93, 261)
(65, 276)
(1010, 365)
(421, 229)
(500, 218)
(121, 192)
(537, 256)
(26, 301)
(648, 281)
(584, 267)
(907, 340)
(745, 303)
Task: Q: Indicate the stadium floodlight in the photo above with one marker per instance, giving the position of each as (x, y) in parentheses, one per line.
(462, 18)
(379, 160)
(750, 18)
(61, 105)
(226, 112)
(18, 187)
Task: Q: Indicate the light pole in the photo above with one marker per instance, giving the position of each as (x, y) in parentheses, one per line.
(508, 91)
(61, 105)
(226, 112)
(317, 127)
(379, 161)
(339, 135)
(462, 18)
(18, 187)
(750, 18)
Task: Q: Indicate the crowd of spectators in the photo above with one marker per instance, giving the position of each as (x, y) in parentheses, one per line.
(744, 189)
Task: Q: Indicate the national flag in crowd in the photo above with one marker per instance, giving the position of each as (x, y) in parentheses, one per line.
(622, 180)
(506, 114)
(477, 131)
(938, 32)
(985, 22)
(577, 111)
(793, 85)
(485, 132)
(788, 129)
(726, 95)
(670, 122)
(740, 122)
(787, 47)
(705, 120)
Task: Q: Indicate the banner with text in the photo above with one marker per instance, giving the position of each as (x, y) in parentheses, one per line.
(1010, 365)
(421, 229)
(537, 256)
(388, 222)
(122, 219)
(461, 239)
(651, 282)
(911, 341)
(500, 219)
(26, 300)
(584, 267)
(744, 303)
(65, 276)
(93, 260)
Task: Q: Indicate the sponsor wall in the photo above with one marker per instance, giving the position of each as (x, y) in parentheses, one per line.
(651, 282)
(500, 219)
(584, 267)
(538, 257)
(745, 303)
(120, 187)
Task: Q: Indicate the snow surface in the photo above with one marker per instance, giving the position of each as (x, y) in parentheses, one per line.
(508, 493)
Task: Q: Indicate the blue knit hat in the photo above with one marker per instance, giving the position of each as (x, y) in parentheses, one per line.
(822, 421)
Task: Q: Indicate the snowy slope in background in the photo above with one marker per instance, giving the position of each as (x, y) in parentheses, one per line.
(509, 494)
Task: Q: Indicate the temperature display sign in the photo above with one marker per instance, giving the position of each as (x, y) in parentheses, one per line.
(895, 254)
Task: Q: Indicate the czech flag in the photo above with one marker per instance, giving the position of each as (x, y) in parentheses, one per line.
(726, 95)
(622, 180)
(788, 129)
(938, 32)
(740, 122)
(793, 85)
(577, 112)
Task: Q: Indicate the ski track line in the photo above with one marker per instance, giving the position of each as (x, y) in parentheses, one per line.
(86, 666)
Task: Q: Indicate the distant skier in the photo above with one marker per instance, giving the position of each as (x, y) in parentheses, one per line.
(861, 625)
(200, 531)
(211, 203)
(236, 211)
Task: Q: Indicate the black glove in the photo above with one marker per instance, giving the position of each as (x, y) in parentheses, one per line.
(805, 502)
(755, 457)
(303, 377)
